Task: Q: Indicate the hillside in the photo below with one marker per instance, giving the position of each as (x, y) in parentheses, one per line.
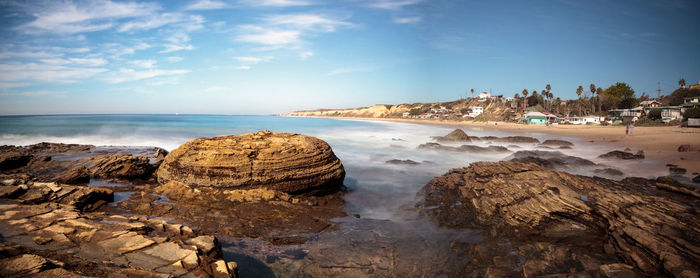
(493, 110)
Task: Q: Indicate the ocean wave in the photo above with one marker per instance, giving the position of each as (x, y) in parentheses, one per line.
(168, 143)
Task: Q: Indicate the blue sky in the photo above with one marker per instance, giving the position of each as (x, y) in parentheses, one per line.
(276, 56)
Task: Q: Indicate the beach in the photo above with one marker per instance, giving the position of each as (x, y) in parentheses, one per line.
(658, 143)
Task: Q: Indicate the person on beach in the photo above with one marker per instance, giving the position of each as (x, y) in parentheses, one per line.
(631, 128)
(627, 130)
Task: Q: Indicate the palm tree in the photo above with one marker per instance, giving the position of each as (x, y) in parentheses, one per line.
(599, 92)
(472, 92)
(681, 82)
(592, 88)
(548, 88)
(525, 93)
(579, 91)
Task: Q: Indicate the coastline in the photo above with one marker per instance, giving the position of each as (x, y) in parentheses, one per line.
(658, 143)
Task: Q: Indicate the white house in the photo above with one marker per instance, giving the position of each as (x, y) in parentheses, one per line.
(406, 114)
(585, 120)
(476, 111)
(484, 95)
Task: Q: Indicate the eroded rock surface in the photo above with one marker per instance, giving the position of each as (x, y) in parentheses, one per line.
(285, 162)
(622, 155)
(456, 135)
(46, 232)
(587, 224)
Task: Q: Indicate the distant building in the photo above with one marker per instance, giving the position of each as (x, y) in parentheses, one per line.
(695, 86)
(475, 111)
(690, 102)
(626, 115)
(535, 118)
(585, 120)
(406, 114)
(650, 103)
(484, 95)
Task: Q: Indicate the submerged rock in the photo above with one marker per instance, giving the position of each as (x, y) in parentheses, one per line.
(550, 159)
(462, 148)
(456, 135)
(402, 162)
(507, 139)
(557, 143)
(622, 155)
(640, 222)
(286, 162)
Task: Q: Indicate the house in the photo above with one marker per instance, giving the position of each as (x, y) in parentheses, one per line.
(668, 113)
(626, 115)
(585, 120)
(484, 95)
(650, 103)
(475, 111)
(406, 114)
(535, 118)
(695, 86)
(690, 102)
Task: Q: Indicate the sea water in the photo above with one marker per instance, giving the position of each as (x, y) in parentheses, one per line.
(382, 194)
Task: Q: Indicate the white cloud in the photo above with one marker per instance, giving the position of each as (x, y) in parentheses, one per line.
(306, 22)
(16, 71)
(277, 3)
(206, 5)
(69, 17)
(25, 54)
(347, 70)
(90, 62)
(10, 85)
(124, 75)
(268, 36)
(119, 50)
(244, 67)
(408, 20)
(35, 93)
(305, 55)
(392, 4)
(280, 31)
(174, 59)
(178, 41)
(146, 64)
(151, 22)
(248, 60)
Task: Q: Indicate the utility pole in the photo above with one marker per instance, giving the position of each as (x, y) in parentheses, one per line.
(659, 90)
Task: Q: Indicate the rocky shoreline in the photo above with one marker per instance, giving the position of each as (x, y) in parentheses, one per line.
(79, 210)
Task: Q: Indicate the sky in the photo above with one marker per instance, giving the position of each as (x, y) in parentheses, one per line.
(278, 56)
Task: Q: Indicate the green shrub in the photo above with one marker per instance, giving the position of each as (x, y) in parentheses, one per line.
(654, 114)
(414, 111)
(692, 113)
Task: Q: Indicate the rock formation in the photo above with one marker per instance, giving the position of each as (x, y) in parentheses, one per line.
(589, 225)
(46, 231)
(557, 143)
(463, 148)
(121, 166)
(285, 162)
(507, 139)
(622, 155)
(456, 135)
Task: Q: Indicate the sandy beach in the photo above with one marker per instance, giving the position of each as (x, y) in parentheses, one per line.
(658, 143)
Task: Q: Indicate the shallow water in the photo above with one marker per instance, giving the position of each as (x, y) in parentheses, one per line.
(382, 194)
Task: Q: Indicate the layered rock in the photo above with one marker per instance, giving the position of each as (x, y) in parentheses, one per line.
(121, 166)
(456, 135)
(45, 231)
(285, 162)
(622, 155)
(648, 224)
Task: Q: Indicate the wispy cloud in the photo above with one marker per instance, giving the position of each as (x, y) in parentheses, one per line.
(347, 70)
(288, 30)
(177, 41)
(18, 71)
(206, 5)
(243, 67)
(248, 60)
(408, 20)
(277, 3)
(34, 93)
(92, 62)
(174, 59)
(146, 64)
(152, 22)
(306, 55)
(125, 74)
(70, 18)
(391, 4)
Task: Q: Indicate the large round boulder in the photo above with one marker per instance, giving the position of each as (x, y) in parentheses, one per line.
(287, 162)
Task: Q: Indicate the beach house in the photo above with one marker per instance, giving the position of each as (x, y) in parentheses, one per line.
(650, 103)
(668, 113)
(626, 115)
(585, 120)
(533, 117)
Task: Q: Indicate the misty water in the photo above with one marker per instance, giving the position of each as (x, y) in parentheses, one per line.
(388, 233)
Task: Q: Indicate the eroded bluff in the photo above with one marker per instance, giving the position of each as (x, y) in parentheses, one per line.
(596, 223)
(286, 162)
